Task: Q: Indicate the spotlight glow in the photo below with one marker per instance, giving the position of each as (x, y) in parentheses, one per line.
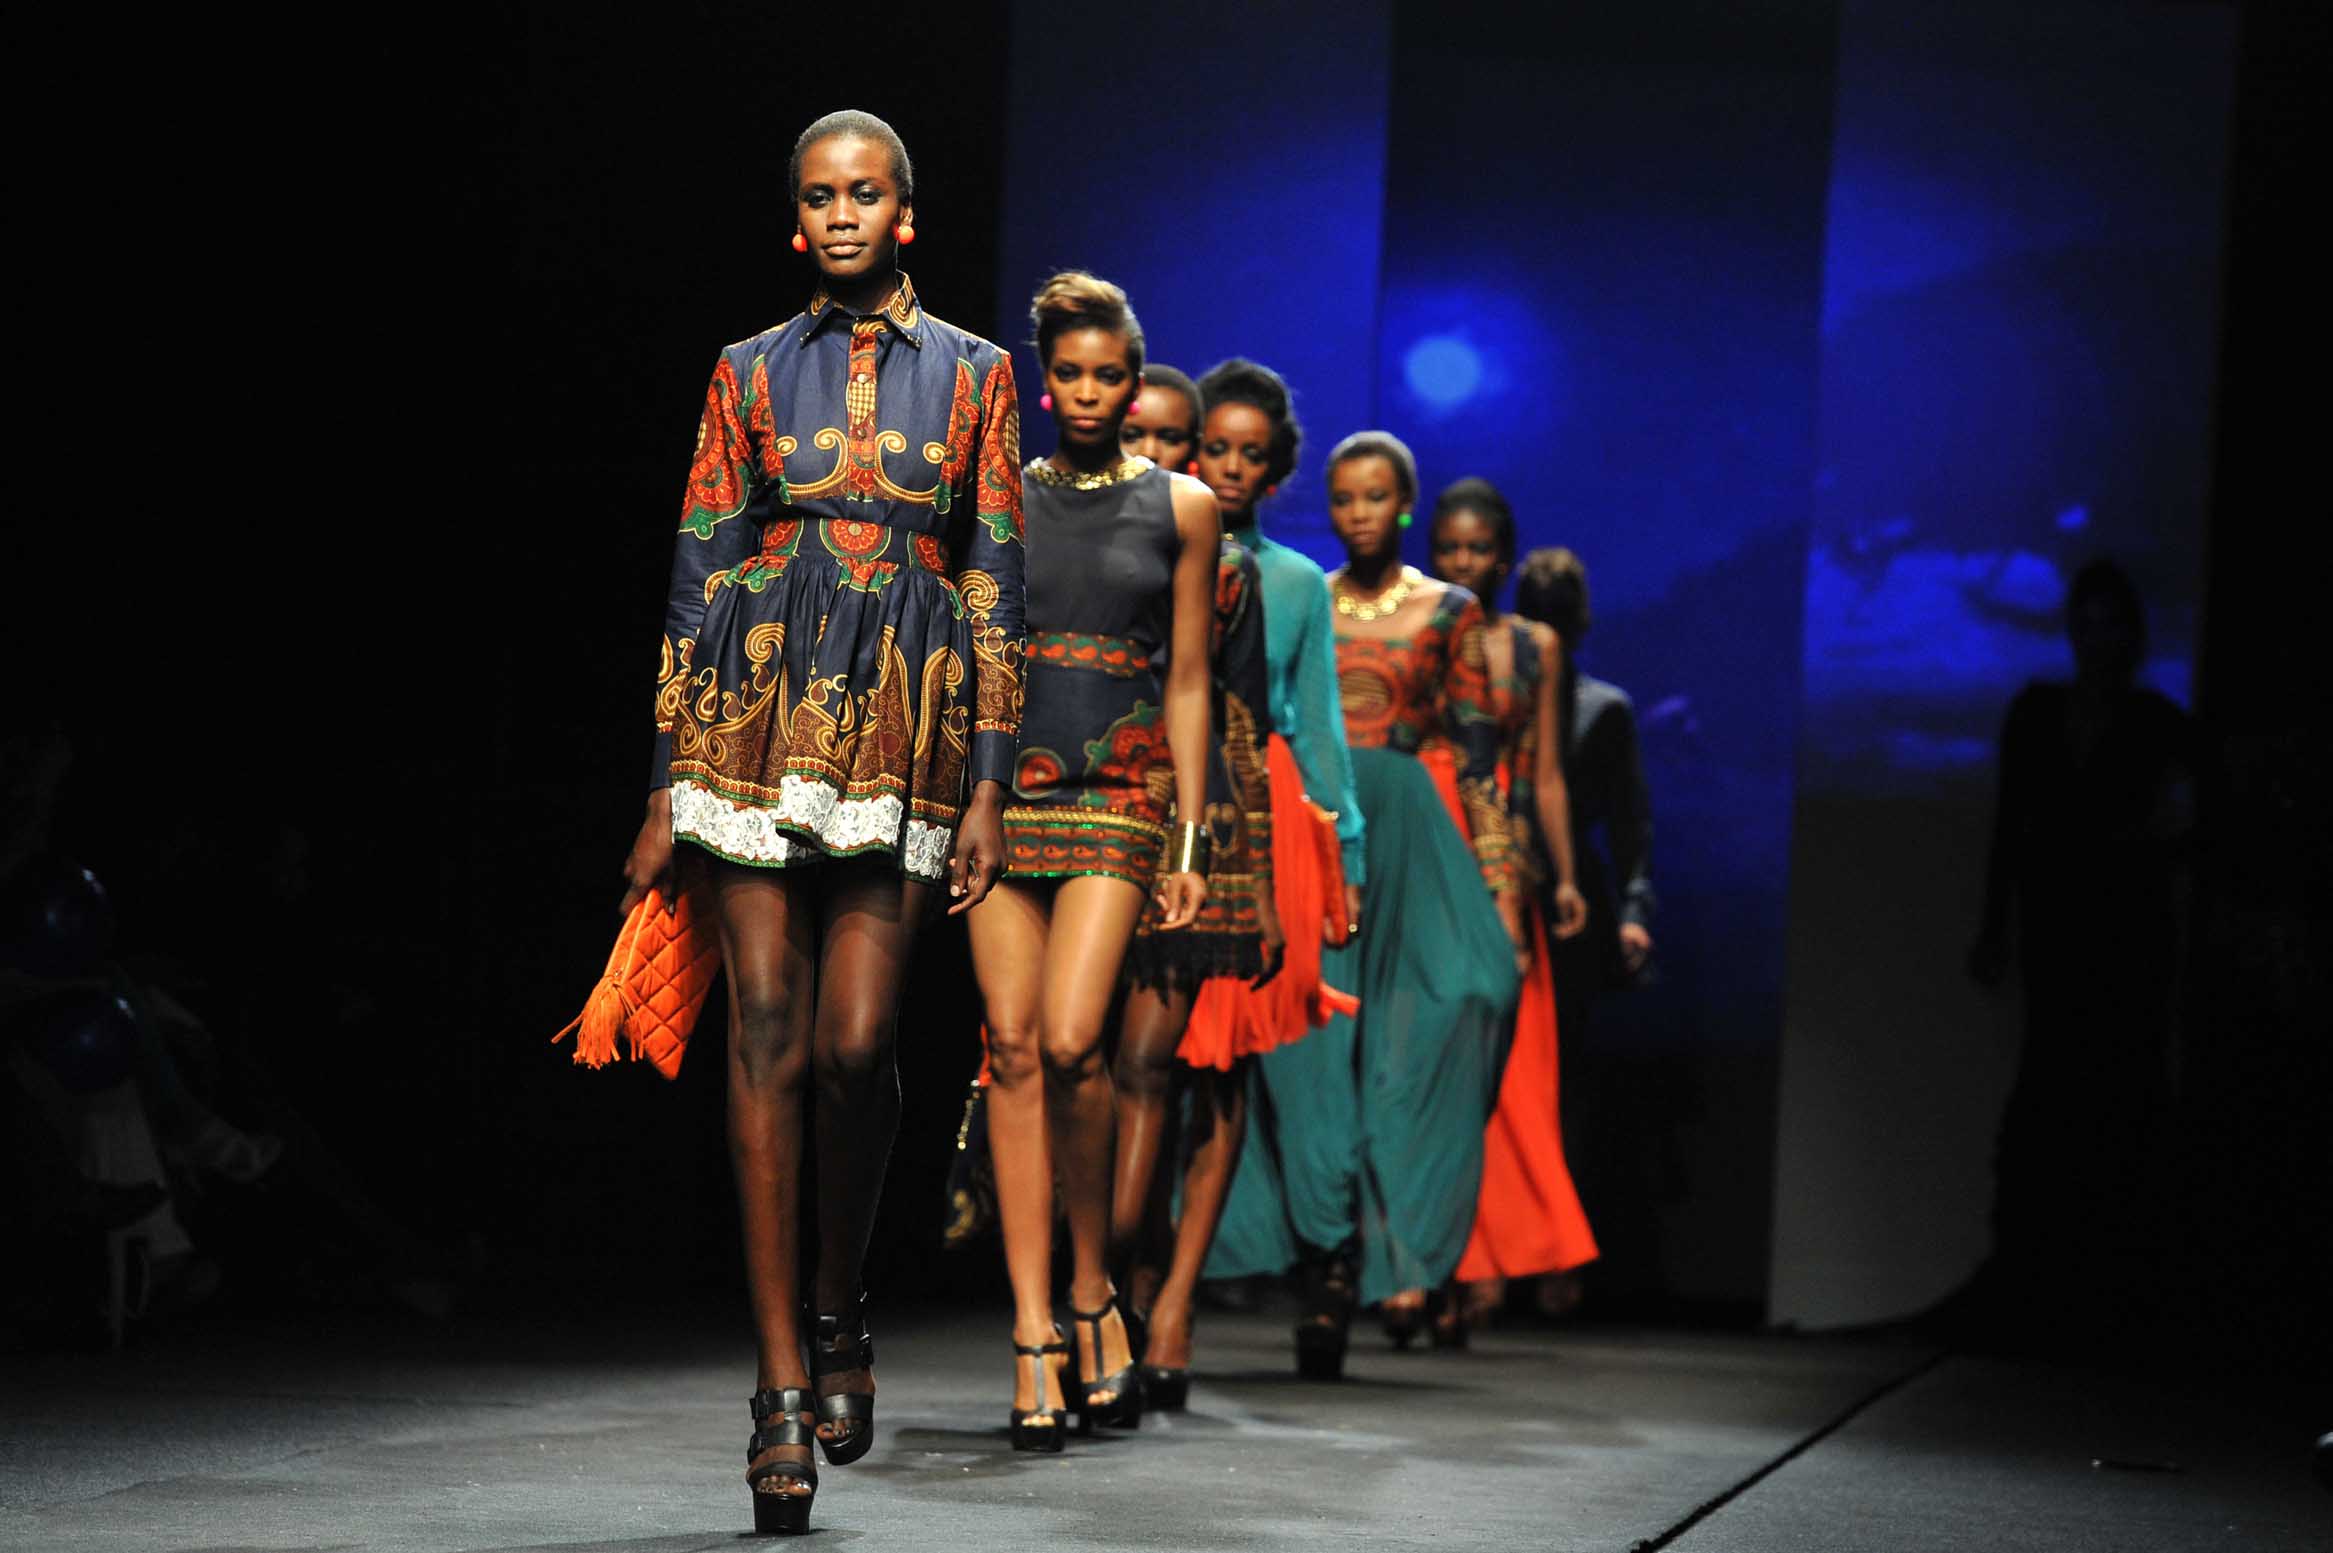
(1443, 370)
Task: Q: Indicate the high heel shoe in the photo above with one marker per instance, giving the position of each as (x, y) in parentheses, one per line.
(833, 1351)
(1166, 1388)
(1401, 1322)
(1124, 1410)
(1039, 1428)
(1448, 1325)
(1328, 1318)
(777, 1513)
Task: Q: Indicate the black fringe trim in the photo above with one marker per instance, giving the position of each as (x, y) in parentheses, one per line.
(1179, 962)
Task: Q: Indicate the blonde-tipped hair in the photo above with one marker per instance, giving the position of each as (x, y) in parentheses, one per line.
(1074, 299)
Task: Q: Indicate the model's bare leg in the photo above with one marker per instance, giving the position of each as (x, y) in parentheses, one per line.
(767, 922)
(1150, 1028)
(1219, 1125)
(1093, 920)
(871, 915)
(1009, 931)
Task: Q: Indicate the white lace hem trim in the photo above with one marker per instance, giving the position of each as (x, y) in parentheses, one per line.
(810, 820)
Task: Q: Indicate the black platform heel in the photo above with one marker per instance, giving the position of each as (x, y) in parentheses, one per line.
(1402, 1323)
(1446, 1310)
(1166, 1388)
(776, 1513)
(832, 1351)
(1328, 1318)
(1123, 1411)
(1039, 1428)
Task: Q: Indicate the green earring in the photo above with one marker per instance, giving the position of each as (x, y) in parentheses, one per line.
(1403, 520)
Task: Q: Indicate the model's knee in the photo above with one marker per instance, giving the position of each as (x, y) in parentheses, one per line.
(856, 1059)
(1144, 1069)
(767, 1036)
(1012, 1053)
(1072, 1056)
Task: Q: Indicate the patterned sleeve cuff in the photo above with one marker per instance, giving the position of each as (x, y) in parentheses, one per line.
(993, 754)
(660, 761)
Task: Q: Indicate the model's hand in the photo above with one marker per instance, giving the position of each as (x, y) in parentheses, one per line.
(979, 856)
(1571, 915)
(1352, 912)
(1180, 896)
(1636, 945)
(650, 865)
(1275, 938)
(1518, 929)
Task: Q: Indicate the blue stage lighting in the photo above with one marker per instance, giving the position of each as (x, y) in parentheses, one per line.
(1443, 370)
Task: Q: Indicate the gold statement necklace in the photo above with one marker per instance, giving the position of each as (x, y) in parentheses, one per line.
(1045, 472)
(1354, 607)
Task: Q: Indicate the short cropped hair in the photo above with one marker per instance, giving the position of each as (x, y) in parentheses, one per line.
(1385, 445)
(851, 124)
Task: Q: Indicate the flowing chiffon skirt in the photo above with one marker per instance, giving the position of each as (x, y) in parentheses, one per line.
(1370, 1129)
(1528, 1219)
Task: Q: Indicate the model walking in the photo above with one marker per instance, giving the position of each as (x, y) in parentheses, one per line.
(842, 658)
(1122, 574)
(1235, 941)
(1376, 1123)
(1528, 1218)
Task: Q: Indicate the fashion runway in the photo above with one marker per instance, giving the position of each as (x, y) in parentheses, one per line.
(565, 1434)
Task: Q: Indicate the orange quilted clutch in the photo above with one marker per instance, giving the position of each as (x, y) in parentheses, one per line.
(654, 986)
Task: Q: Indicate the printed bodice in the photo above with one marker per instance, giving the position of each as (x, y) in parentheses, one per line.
(871, 420)
(1431, 689)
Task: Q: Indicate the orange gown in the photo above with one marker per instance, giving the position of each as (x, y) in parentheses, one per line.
(1528, 1218)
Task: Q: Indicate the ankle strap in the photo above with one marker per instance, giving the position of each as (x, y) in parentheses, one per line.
(769, 1402)
(1060, 1345)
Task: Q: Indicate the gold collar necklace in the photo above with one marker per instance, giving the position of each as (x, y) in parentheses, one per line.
(1386, 603)
(1044, 472)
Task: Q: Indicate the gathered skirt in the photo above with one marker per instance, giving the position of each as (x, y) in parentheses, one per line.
(826, 710)
(1369, 1132)
(1231, 1019)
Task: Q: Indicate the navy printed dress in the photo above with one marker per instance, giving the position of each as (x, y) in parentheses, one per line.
(843, 638)
(1094, 782)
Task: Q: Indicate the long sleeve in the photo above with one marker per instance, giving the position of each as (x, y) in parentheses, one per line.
(1630, 829)
(714, 537)
(1316, 731)
(994, 581)
(1243, 675)
(1471, 717)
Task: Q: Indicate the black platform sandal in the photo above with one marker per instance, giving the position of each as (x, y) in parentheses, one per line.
(1039, 1428)
(1328, 1318)
(776, 1513)
(1402, 1323)
(832, 1351)
(1166, 1388)
(1124, 1411)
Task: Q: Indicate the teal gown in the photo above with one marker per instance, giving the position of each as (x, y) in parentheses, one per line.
(1367, 1135)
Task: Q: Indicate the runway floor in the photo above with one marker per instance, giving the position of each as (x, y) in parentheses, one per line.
(592, 1435)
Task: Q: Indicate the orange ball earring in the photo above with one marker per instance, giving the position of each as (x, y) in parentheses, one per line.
(906, 234)
(801, 243)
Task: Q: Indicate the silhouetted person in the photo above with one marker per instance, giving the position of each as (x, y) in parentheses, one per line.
(2084, 891)
(1612, 832)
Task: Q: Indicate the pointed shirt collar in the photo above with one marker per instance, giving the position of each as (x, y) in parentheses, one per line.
(901, 312)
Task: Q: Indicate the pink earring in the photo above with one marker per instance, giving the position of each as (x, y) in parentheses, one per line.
(1044, 401)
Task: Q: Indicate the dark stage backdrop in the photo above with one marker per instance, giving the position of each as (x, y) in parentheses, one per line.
(2020, 306)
